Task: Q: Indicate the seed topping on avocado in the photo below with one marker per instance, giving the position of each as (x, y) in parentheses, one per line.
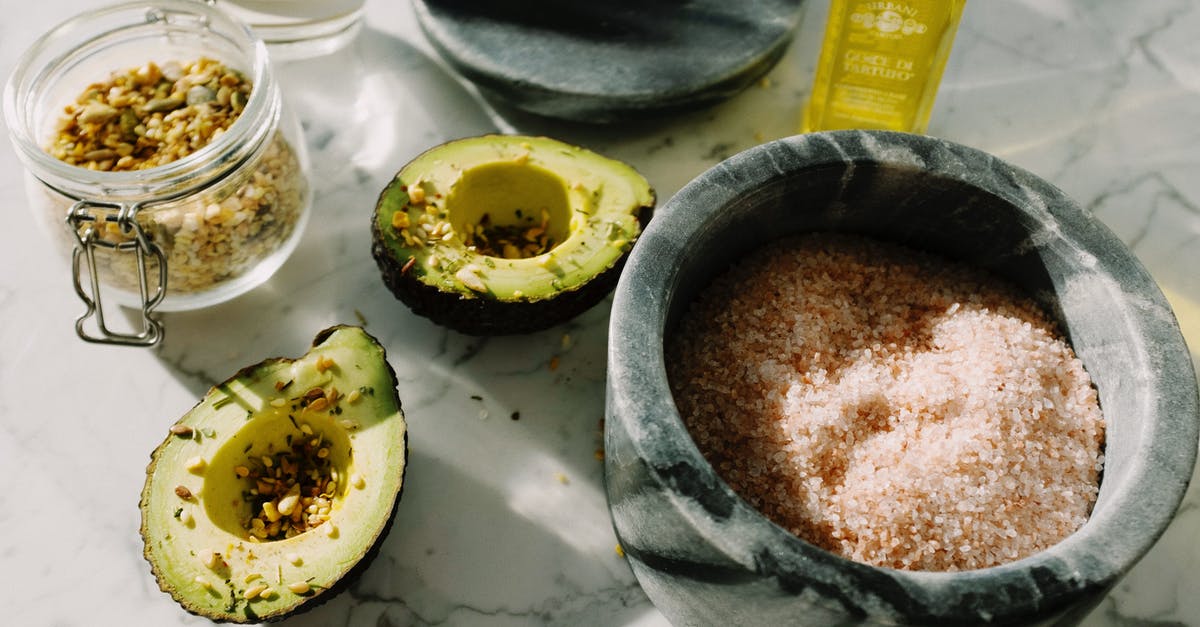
(416, 193)
(293, 490)
(511, 241)
(256, 591)
(408, 265)
(500, 234)
(468, 276)
(212, 560)
(283, 464)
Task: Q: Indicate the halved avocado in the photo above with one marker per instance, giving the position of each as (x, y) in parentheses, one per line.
(280, 484)
(503, 234)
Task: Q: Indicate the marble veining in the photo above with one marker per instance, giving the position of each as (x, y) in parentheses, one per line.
(504, 521)
(688, 536)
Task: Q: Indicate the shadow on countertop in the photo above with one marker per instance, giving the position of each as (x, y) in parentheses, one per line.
(365, 110)
(501, 519)
(459, 552)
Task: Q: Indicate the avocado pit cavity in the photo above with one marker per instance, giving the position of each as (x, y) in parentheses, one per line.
(292, 470)
(503, 234)
(500, 218)
(277, 487)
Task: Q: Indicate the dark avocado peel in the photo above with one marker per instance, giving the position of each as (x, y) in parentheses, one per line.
(507, 234)
(279, 486)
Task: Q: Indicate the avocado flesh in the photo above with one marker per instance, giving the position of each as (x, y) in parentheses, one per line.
(270, 410)
(592, 207)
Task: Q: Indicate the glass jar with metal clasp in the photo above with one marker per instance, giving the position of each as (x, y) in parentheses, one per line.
(161, 158)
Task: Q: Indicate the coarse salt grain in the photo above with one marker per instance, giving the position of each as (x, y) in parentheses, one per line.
(888, 405)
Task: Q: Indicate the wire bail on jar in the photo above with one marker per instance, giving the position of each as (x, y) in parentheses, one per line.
(83, 225)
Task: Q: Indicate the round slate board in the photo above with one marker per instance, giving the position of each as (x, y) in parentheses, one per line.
(611, 60)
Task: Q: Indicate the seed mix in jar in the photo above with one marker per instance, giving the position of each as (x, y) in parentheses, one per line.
(153, 115)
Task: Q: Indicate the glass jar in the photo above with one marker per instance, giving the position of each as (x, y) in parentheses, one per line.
(297, 29)
(185, 234)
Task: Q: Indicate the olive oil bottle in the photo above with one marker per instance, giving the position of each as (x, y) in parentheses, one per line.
(881, 63)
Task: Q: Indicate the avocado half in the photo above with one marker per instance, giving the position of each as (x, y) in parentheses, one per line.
(280, 484)
(503, 234)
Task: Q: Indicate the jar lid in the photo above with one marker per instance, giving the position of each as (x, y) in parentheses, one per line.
(95, 43)
(610, 61)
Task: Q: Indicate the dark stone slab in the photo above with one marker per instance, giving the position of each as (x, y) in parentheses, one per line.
(705, 557)
(609, 61)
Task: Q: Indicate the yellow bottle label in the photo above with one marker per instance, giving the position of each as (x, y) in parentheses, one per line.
(881, 63)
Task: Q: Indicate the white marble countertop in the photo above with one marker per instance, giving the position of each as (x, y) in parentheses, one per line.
(504, 521)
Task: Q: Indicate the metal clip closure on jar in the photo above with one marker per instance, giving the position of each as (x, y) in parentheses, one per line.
(82, 223)
(183, 179)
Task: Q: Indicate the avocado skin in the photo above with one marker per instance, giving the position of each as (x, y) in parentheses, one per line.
(319, 597)
(489, 317)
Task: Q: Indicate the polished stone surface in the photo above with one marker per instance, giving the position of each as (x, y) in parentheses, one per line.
(1101, 98)
(610, 61)
(701, 553)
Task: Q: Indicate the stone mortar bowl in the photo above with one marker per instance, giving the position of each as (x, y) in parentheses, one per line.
(706, 557)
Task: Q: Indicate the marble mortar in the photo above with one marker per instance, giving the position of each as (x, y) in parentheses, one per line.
(706, 557)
